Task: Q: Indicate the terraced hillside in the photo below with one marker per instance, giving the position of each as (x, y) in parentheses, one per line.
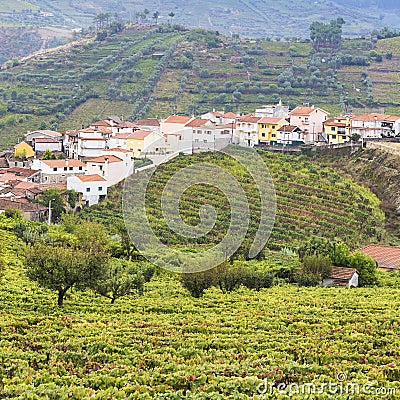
(312, 200)
(158, 71)
(383, 76)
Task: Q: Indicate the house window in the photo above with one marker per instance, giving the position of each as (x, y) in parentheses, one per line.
(196, 140)
(263, 134)
(333, 136)
(101, 168)
(65, 168)
(306, 119)
(88, 190)
(16, 163)
(71, 168)
(205, 140)
(100, 188)
(80, 168)
(55, 169)
(273, 126)
(139, 150)
(333, 128)
(273, 135)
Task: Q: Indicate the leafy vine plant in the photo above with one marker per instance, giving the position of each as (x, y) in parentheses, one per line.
(201, 173)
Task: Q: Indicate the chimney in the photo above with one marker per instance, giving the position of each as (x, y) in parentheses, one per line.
(106, 166)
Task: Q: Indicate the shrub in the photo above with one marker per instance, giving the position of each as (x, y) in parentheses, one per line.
(307, 279)
(318, 265)
(366, 266)
(197, 283)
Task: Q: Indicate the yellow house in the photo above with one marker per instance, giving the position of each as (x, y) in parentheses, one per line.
(23, 150)
(337, 130)
(139, 142)
(268, 129)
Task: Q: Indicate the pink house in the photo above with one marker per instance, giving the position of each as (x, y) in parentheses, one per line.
(310, 120)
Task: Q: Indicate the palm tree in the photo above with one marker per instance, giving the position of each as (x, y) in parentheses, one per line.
(171, 15)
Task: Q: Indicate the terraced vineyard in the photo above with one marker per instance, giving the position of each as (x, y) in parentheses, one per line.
(312, 200)
(194, 72)
(168, 345)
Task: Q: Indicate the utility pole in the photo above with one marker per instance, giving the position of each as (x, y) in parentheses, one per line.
(49, 219)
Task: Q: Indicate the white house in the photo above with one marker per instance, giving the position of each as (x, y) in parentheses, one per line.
(174, 123)
(289, 135)
(93, 187)
(273, 111)
(113, 169)
(125, 156)
(42, 144)
(247, 131)
(58, 170)
(310, 120)
(205, 135)
(375, 125)
(221, 118)
(31, 135)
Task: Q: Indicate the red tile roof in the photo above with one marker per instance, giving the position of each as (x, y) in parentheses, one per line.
(378, 117)
(386, 256)
(140, 134)
(299, 111)
(63, 163)
(91, 178)
(342, 273)
(103, 159)
(177, 119)
(288, 128)
(21, 205)
(26, 172)
(148, 122)
(118, 149)
(269, 120)
(230, 115)
(250, 119)
(197, 122)
(332, 122)
(122, 135)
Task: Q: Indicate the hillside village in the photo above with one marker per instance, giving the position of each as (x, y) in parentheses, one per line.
(90, 160)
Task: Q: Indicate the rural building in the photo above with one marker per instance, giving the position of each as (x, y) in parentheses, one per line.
(53, 171)
(92, 187)
(337, 130)
(247, 130)
(387, 257)
(268, 129)
(40, 145)
(341, 276)
(30, 211)
(310, 120)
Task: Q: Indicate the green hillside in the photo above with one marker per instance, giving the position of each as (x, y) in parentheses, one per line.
(312, 200)
(199, 70)
(167, 344)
